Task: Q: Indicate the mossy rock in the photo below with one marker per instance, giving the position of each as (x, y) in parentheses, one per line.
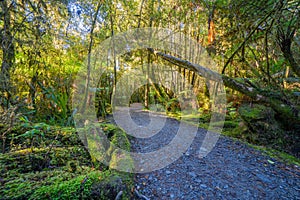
(116, 155)
(109, 188)
(118, 152)
(261, 123)
(120, 140)
(102, 143)
(121, 160)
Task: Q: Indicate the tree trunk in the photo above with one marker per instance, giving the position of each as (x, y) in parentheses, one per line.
(8, 52)
(287, 53)
(87, 83)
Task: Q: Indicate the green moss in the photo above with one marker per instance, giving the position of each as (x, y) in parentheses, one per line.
(255, 112)
(52, 135)
(120, 140)
(57, 165)
(226, 124)
(121, 160)
(62, 184)
(92, 185)
(75, 188)
(29, 182)
(36, 159)
(278, 155)
(110, 186)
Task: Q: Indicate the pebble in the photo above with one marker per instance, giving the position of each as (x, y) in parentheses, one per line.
(197, 180)
(192, 174)
(263, 178)
(203, 186)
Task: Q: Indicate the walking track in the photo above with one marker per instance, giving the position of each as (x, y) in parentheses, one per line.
(232, 170)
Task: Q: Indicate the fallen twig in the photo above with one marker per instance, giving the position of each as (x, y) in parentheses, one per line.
(119, 195)
(140, 195)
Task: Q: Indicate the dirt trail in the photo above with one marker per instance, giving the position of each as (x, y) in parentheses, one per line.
(231, 171)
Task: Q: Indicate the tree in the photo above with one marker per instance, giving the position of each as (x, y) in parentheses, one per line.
(8, 51)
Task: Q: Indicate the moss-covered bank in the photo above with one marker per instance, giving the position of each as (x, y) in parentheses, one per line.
(52, 163)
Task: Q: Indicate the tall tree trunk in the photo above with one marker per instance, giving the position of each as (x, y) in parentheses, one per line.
(8, 52)
(147, 88)
(88, 76)
(113, 48)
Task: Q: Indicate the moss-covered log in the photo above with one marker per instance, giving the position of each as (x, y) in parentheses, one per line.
(280, 105)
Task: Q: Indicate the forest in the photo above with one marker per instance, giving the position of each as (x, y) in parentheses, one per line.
(68, 67)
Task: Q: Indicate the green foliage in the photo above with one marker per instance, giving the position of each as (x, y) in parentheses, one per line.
(173, 106)
(36, 130)
(249, 113)
(59, 102)
(262, 128)
(231, 111)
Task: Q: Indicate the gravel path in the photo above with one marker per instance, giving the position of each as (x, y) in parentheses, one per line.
(231, 171)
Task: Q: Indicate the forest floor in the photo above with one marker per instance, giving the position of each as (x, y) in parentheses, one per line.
(232, 170)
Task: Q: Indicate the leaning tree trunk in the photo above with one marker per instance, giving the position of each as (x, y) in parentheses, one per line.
(279, 104)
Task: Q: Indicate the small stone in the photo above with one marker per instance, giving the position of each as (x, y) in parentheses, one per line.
(263, 178)
(192, 174)
(172, 196)
(203, 186)
(168, 172)
(198, 180)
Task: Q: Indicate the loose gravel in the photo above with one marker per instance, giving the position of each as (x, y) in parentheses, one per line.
(232, 170)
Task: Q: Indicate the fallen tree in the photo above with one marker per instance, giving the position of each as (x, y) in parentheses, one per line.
(281, 104)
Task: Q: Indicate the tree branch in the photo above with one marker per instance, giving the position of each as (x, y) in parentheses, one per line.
(249, 36)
